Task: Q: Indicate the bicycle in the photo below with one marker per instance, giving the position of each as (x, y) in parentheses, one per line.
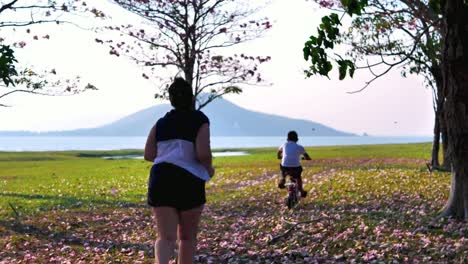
(294, 195)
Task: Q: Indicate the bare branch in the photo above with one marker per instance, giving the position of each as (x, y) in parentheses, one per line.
(392, 65)
(7, 6)
(21, 91)
(189, 32)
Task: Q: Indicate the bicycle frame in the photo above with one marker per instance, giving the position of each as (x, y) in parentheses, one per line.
(293, 193)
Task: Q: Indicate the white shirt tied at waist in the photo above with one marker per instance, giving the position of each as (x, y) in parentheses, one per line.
(181, 153)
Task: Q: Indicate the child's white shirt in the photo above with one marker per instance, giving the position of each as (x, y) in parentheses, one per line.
(291, 154)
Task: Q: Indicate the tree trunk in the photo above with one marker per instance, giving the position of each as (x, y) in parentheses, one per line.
(446, 163)
(436, 142)
(440, 128)
(440, 115)
(455, 77)
(188, 72)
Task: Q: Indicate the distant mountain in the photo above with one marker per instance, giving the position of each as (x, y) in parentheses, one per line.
(226, 119)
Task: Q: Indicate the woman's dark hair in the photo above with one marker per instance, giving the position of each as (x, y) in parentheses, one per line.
(180, 94)
(292, 136)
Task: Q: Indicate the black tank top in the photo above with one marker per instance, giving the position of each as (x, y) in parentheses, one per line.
(178, 124)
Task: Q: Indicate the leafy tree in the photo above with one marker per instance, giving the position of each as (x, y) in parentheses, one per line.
(404, 34)
(17, 78)
(192, 38)
(453, 64)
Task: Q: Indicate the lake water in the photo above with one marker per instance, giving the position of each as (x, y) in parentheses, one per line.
(215, 154)
(115, 143)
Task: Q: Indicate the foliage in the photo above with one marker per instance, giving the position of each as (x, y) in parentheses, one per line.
(315, 49)
(377, 204)
(192, 39)
(7, 64)
(383, 35)
(16, 14)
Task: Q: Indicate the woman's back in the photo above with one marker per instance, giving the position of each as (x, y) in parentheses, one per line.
(176, 135)
(180, 124)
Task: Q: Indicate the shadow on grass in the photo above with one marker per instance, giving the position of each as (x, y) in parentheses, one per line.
(252, 220)
(70, 201)
(393, 212)
(99, 228)
(335, 228)
(100, 154)
(61, 202)
(69, 238)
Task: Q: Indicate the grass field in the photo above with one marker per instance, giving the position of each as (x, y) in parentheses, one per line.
(365, 204)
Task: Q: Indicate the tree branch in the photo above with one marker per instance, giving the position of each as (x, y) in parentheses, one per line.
(7, 6)
(294, 225)
(391, 65)
(21, 91)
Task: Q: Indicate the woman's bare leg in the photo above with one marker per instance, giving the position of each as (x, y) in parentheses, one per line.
(167, 219)
(188, 228)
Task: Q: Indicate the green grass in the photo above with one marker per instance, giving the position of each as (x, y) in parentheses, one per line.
(365, 203)
(69, 183)
(38, 181)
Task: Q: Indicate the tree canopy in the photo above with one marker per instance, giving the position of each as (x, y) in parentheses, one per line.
(192, 39)
(17, 16)
(383, 35)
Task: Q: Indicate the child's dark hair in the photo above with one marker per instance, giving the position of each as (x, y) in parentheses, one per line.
(180, 94)
(292, 136)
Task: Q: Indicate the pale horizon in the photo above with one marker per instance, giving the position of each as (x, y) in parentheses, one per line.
(391, 106)
(167, 103)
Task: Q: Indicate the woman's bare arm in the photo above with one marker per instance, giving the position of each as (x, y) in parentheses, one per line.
(151, 147)
(203, 148)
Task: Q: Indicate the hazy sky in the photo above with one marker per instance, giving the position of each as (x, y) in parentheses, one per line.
(391, 106)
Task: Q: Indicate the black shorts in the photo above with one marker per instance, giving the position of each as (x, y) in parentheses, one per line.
(172, 186)
(294, 172)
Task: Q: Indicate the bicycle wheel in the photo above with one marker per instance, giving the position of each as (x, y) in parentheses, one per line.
(295, 199)
(292, 200)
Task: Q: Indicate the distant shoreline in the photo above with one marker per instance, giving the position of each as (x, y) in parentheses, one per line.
(67, 143)
(59, 134)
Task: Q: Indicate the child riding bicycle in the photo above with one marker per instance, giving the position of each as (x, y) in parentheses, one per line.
(290, 153)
